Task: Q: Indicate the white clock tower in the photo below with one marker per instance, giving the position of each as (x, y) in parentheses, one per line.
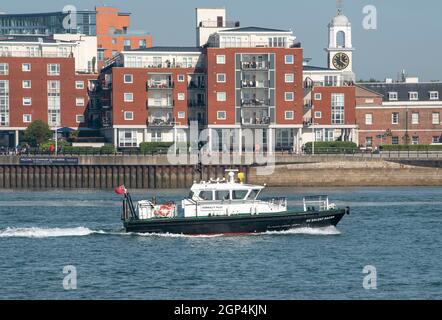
(340, 48)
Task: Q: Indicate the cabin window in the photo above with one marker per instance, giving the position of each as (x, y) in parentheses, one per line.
(206, 195)
(254, 194)
(239, 195)
(222, 195)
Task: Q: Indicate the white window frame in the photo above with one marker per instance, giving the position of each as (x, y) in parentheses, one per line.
(79, 84)
(369, 119)
(415, 140)
(220, 59)
(286, 98)
(128, 75)
(318, 115)
(221, 96)
(24, 69)
(393, 96)
(318, 96)
(393, 118)
(79, 102)
(54, 69)
(218, 75)
(27, 118)
(289, 57)
(77, 116)
(27, 101)
(128, 97)
(26, 81)
(415, 119)
(218, 113)
(181, 115)
(181, 96)
(434, 95)
(289, 115)
(181, 78)
(435, 120)
(289, 76)
(413, 95)
(126, 118)
(5, 69)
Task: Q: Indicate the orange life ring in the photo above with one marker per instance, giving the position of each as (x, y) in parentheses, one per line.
(165, 210)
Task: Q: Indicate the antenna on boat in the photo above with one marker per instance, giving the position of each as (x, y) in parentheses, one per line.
(231, 173)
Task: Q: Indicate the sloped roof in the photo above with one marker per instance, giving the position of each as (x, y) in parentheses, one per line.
(403, 89)
(254, 29)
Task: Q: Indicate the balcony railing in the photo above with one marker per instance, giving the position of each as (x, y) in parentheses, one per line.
(255, 103)
(160, 122)
(253, 65)
(256, 121)
(163, 85)
(196, 104)
(219, 24)
(38, 54)
(255, 84)
(196, 85)
(156, 104)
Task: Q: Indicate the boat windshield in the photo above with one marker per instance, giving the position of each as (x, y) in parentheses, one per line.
(254, 194)
(239, 194)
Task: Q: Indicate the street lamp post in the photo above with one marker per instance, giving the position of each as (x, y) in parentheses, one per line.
(56, 140)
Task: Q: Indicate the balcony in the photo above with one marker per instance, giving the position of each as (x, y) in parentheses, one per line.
(254, 103)
(160, 122)
(255, 66)
(258, 121)
(196, 104)
(255, 84)
(196, 85)
(160, 85)
(163, 104)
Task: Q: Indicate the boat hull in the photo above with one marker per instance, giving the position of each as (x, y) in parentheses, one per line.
(237, 224)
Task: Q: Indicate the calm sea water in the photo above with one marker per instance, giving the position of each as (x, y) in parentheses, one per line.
(396, 230)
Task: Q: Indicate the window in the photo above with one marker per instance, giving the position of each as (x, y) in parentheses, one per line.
(221, 78)
(369, 119)
(181, 96)
(415, 118)
(289, 115)
(128, 97)
(220, 59)
(181, 78)
(413, 96)
(338, 106)
(318, 115)
(181, 115)
(369, 142)
(157, 136)
(26, 84)
(79, 102)
(114, 53)
(392, 96)
(395, 140)
(395, 118)
(289, 78)
(331, 81)
(434, 95)
(127, 138)
(436, 118)
(415, 140)
(318, 96)
(289, 59)
(100, 55)
(220, 96)
(53, 69)
(79, 118)
(221, 115)
(4, 69)
(114, 40)
(128, 78)
(27, 101)
(127, 44)
(26, 67)
(142, 43)
(128, 115)
(289, 96)
(27, 118)
(79, 85)
(436, 139)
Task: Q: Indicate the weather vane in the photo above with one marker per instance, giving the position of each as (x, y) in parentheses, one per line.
(340, 6)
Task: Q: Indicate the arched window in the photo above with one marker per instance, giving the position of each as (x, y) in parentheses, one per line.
(340, 39)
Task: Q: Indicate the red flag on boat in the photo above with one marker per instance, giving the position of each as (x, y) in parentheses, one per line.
(120, 190)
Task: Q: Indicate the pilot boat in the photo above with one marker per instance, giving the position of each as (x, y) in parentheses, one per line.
(227, 207)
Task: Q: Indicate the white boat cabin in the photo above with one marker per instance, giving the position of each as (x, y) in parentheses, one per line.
(228, 198)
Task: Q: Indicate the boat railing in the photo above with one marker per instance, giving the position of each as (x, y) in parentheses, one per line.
(316, 203)
(280, 201)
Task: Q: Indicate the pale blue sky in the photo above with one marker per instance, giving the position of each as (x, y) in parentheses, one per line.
(408, 36)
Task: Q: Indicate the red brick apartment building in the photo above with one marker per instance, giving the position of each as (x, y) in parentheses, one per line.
(406, 112)
(39, 88)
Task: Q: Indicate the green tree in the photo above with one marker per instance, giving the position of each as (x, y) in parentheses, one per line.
(37, 133)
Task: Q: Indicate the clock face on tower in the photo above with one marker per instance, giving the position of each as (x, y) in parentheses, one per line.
(341, 61)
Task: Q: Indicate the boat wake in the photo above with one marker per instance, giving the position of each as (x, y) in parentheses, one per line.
(326, 231)
(41, 233)
(46, 232)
